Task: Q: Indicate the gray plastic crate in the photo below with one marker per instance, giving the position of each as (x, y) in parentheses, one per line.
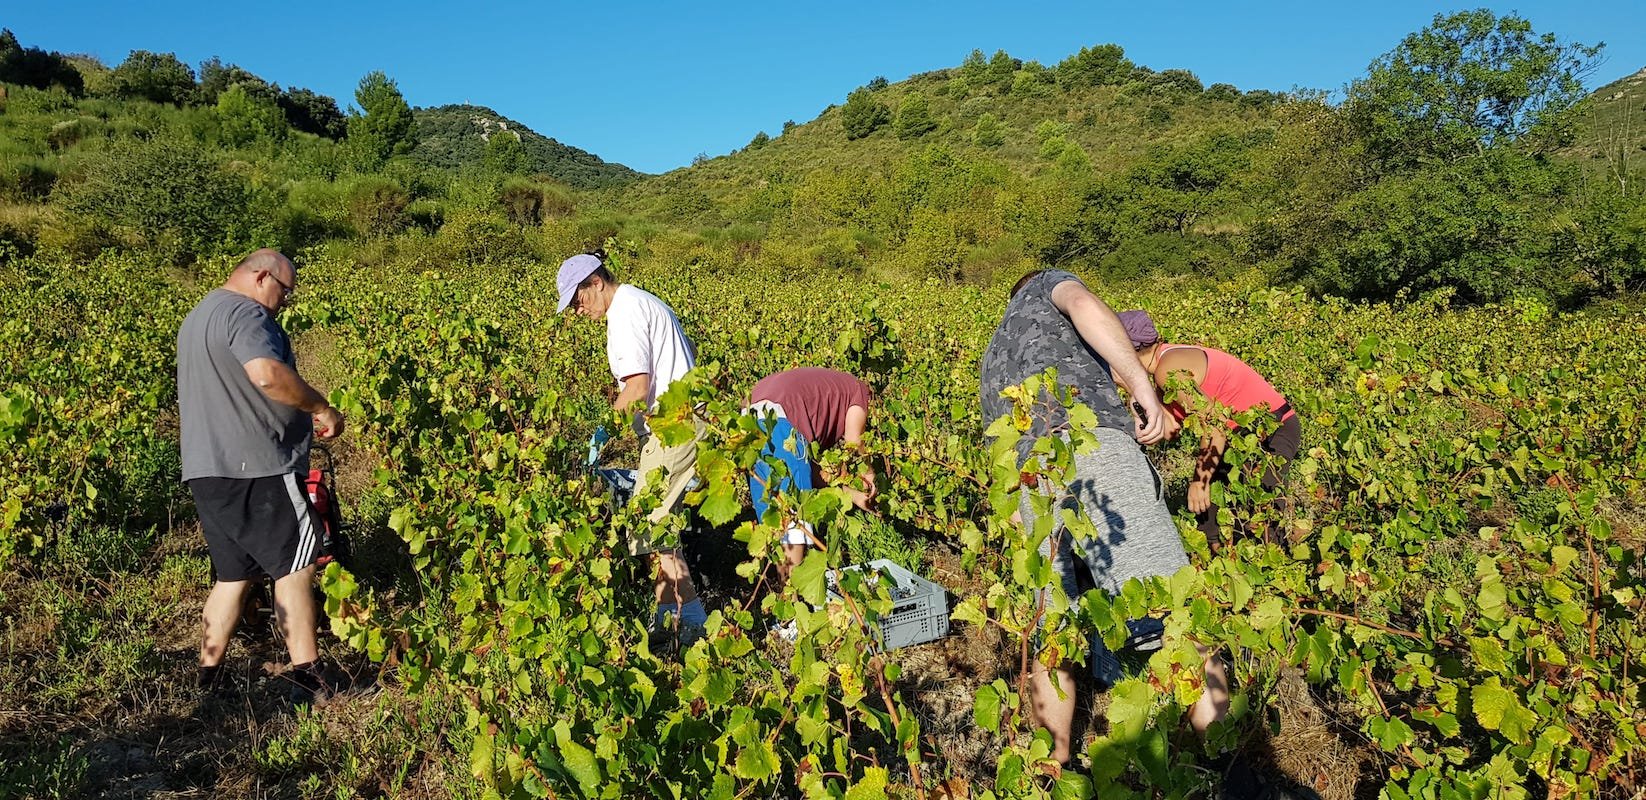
(920, 611)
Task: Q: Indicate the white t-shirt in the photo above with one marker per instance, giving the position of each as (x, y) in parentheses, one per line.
(644, 336)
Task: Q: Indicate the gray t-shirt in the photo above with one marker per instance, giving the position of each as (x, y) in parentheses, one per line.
(1034, 335)
(230, 428)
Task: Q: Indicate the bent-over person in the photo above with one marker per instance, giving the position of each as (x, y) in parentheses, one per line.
(1053, 320)
(647, 350)
(801, 409)
(1232, 384)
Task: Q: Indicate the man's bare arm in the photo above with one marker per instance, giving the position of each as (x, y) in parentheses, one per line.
(857, 421)
(283, 385)
(1101, 329)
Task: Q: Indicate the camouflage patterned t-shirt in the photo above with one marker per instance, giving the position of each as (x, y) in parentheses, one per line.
(1034, 335)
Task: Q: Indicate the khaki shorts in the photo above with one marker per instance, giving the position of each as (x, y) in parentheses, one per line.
(675, 467)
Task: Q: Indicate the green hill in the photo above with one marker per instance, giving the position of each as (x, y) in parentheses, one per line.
(989, 166)
(1615, 123)
(1114, 123)
(456, 136)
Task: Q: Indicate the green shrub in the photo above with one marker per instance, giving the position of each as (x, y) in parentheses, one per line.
(526, 202)
(481, 237)
(167, 195)
(19, 233)
(26, 179)
(837, 251)
(67, 133)
(1146, 255)
(988, 132)
(377, 207)
(426, 215)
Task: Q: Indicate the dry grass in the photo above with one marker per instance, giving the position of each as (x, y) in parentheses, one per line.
(1311, 750)
(97, 690)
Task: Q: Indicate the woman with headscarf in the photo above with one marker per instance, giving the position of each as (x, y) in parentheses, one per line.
(1228, 383)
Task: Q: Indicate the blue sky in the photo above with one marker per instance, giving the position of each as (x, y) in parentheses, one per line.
(653, 84)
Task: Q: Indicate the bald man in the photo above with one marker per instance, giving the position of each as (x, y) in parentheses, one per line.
(247, 419)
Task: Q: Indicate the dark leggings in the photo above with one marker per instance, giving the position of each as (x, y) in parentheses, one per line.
(1283, 444)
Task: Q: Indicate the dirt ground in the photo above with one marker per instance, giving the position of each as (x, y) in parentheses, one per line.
(98, 699)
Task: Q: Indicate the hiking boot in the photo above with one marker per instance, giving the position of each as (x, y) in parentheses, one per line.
(313, 684)
(214, 681)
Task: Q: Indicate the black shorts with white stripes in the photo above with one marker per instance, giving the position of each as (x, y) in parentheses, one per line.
(256, 525)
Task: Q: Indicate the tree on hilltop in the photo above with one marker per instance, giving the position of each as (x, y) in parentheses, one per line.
(314, 113)
(216, 78)
(1103, 65)
(1001, 68)
(31, 66)
(975, 69)
(863, 114)
(158, 77)
(1468, 82)
(914, 117)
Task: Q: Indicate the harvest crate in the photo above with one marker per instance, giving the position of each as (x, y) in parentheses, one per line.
(921, 608)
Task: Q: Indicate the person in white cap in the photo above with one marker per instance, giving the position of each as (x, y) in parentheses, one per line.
(647, 351)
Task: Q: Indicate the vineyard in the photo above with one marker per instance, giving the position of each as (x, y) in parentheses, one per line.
(1459, 590)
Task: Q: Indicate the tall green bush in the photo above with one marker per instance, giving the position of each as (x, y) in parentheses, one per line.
(377, 207)
(862, 114)
(914, 117)
(168, 195)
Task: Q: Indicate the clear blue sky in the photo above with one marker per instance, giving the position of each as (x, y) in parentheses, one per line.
(653, 84)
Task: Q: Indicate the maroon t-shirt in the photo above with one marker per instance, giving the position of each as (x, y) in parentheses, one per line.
(814, 400)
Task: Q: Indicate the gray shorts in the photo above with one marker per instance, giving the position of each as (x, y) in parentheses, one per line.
(1121, 494)
(1136, 538)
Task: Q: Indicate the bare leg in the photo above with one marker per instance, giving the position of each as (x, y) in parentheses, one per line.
(1054, 713)
(294, 609)
(221, 614)
(1213, 704)
(674, 578)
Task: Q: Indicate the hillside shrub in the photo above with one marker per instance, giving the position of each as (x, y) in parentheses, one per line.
(863, 114)
(1033, 80)
(521, 201)
(914, 117)
(67, 133)
(531, 202)
(170, 196)
(243, 118)
(426, 215)
(19, 232)
(836, 251)
(988, 132)
(26, 179)
(377, 207)
(474, 236)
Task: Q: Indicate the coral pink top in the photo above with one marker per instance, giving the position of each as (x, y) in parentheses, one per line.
(1233, 383)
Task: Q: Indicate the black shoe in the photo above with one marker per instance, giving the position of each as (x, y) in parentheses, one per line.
(1241, 782)
(312, 684)
(214, 681)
